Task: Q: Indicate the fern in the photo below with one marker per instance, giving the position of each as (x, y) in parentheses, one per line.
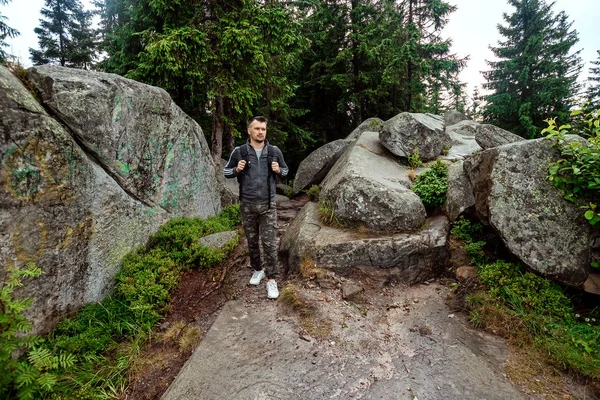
(19, 378)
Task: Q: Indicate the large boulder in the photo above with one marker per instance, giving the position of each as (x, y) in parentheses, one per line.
(139, 136)
(452, 117)
(407, 132)
(459, 195)
(462, 136)
(412, 258)
(368, 187)
(315, 167)
(92, 180)
(369, 124)
(513, 195)
(488, 136)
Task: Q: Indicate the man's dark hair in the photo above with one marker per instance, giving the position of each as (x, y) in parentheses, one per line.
(258, 118)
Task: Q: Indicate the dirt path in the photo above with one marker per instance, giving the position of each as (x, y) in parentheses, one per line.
(389, 341)
(193, 309)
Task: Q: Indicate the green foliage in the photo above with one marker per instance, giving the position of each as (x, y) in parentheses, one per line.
(65, 35)
(470, 233)
(5, 31)
(21, 378)
(372, 58)
(593, 90)
(466, 230)
(313, 193)
(178, 237)
(146, 280)
(431, 186)
(91, 352)
(547, 317)
(414, 160)
(475, 250)
(289, 193)
(222, 62)
(535, 76)
(327, 215)
(577, 172)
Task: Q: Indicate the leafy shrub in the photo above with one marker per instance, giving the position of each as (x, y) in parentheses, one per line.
(577, 172)
(106, 335)
(23, 377)
(313, 193)
(475, 250)
(431, 186)
(179, 237)
(466, 230)
(145, 281)
(547, 317)
(414, 160)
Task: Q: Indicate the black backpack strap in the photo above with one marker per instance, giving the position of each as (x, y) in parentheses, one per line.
(270, 158)
(244, 156)
(244, 151)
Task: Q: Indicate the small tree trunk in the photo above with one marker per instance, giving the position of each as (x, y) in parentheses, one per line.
(217, 132)
(228, 135)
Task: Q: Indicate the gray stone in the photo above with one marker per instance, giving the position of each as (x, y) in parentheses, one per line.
(61, 204)
(407, 132)
(368, 187)
(369, 124)
(415, 257)
(350, 289)
(452, 117)
(279, 198)
(315, 167)
(514, 196)
(463, 144)
(465, 273)
(459, 196)
(229, 190)
(139, 136)
(218, 240)
(283, 189)
(592, 283)
(489, 136)
(253, 352)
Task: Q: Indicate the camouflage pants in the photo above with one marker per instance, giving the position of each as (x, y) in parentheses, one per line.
(260, 226)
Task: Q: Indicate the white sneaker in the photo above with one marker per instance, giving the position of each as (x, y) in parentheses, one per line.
(272, 291)
(257, 277)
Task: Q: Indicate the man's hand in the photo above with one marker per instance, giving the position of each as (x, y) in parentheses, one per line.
(240, 167)
(275, 167)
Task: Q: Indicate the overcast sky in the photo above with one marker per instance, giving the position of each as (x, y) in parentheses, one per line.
(472, 28)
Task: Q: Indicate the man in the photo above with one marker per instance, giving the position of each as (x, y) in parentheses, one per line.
(256, 164)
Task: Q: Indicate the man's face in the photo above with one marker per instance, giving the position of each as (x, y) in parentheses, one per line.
(257, 131)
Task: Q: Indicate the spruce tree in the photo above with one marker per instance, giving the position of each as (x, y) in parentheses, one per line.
(593, 90)
(65, 36)
(5, 32)
(535, 75)
(373, 58)
(220, 61)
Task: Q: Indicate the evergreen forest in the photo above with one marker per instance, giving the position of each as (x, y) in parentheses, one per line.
(318, 68)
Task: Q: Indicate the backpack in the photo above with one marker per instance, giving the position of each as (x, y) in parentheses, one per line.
(270, 159)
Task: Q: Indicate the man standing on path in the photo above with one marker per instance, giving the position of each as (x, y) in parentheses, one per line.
(256, 164)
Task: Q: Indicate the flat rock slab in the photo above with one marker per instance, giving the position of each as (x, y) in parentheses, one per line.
(412, 257)
(408, 349)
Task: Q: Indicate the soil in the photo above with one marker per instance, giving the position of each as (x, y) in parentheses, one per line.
(203, 293)
(196, 304)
